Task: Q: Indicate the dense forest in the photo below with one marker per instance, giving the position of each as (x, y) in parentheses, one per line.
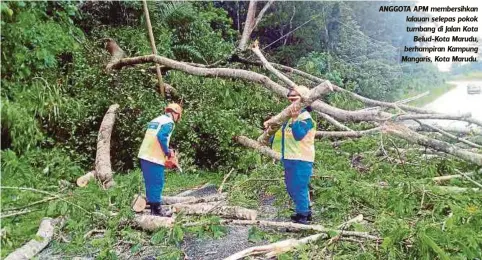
(56, 90)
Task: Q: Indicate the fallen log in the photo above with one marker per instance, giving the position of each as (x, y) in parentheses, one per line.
(215, 209)
(34, 246)
(307, 97)
(103, 169)
(320, 106)
(139, 203)
(168, 200)
(83, 180)
(274, 123)
(152, 223)
(376, 115)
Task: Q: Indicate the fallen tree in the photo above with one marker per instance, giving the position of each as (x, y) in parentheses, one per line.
(34, 246)
(385, 120)
(103, 168)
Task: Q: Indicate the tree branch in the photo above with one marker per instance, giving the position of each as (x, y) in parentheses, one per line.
(257, 146)
(248, 25)
(261, 13)
(413, 137)
(275, 122)
(153, 47)
(361, 133)
(450, 135)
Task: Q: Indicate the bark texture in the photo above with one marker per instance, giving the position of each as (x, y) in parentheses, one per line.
(34, 246)
(103, 168)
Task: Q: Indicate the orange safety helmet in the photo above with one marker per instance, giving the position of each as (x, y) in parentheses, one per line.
(175, 108)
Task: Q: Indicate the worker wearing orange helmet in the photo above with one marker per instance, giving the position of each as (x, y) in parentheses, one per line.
(154, 153)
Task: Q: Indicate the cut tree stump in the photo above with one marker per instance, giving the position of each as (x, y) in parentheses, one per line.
(139, 203)
(83, 180)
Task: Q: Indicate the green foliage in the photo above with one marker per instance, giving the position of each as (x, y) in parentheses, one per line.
(215, 111)
(470, 70)
(55, 93)
(46, 40)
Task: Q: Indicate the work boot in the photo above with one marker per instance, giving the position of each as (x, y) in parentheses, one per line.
(309, 217)
(155, 208)
(300, 219)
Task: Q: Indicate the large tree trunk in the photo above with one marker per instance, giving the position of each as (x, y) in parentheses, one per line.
(103, 169)
(102, 158)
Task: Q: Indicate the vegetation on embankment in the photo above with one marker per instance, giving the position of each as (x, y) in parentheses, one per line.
(467, 71)
(473, 75)
(55, 92)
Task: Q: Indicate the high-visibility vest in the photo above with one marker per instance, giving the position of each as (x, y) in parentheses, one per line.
(151, 148)
(276, 145)
(290, 149)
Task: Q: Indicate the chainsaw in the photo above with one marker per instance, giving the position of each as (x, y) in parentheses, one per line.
(173, 162)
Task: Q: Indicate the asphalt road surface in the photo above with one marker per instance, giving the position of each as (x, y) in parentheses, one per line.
(457, 101)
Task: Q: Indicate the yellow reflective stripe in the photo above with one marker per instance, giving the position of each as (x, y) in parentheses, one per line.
(304, 149)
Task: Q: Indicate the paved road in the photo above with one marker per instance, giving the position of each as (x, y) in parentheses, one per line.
(457, 101)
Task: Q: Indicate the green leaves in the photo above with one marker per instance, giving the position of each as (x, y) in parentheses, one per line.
(255, 235)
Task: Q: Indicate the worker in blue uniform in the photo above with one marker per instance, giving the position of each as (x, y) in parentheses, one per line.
(295, 141)
(155, 151)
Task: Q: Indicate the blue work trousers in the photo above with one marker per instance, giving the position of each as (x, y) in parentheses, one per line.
(297, 180)
(153, 179)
